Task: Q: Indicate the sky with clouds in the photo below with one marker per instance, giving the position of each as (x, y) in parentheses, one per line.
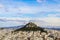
(16, 12)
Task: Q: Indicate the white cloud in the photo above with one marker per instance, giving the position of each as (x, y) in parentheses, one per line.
(54, 15)
(47, 21)
(31, 10)
(14, 18)
(7, 22)
(1, 6)
(54, 21)
(25, 9)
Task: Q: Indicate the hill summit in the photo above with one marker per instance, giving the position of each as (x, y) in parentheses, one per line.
(30, 24)
(30, 27)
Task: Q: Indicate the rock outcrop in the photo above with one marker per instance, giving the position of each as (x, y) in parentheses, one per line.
(31, 27)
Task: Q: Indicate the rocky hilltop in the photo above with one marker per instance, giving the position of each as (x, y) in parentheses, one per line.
(29, 32)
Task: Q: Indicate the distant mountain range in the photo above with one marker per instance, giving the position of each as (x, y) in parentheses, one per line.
(20, 26)
(38, 22)
(12, 27)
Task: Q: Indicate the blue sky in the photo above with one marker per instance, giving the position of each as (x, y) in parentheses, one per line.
(45, 10)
